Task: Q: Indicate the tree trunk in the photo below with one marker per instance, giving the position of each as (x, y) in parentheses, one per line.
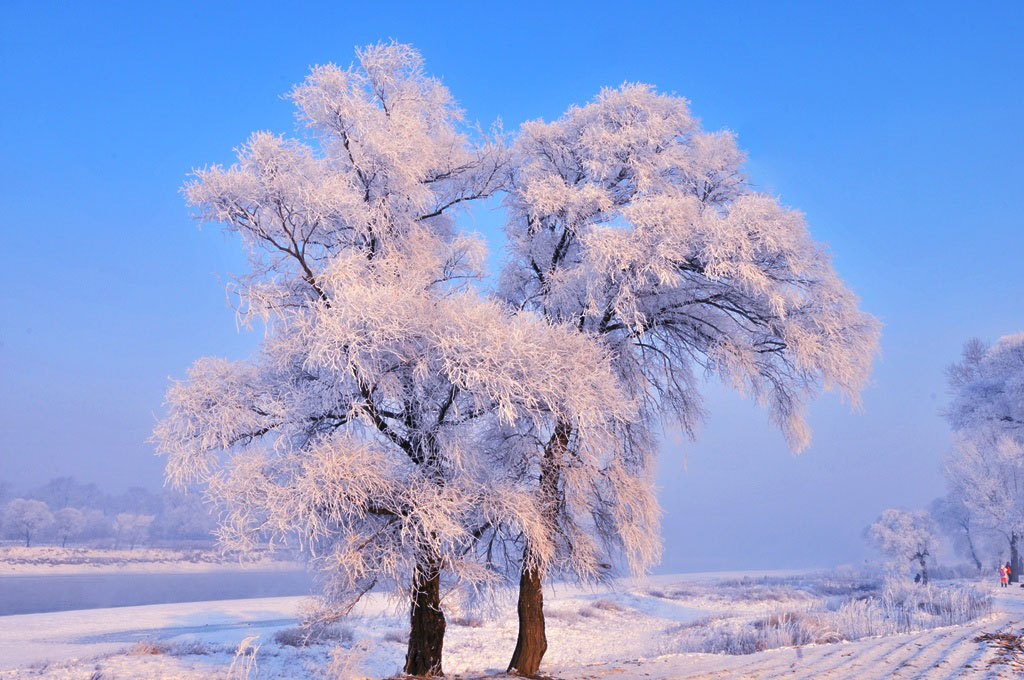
(427, 624)
(532, 642)
(27, 539)
(1014, 558)
(924, 569)
(974, 553)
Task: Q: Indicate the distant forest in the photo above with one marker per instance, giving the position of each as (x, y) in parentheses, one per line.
(66, 512)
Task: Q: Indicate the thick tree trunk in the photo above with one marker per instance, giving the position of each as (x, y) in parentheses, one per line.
(28, 538)
(532, 643)
(427, 624)
(924, 569)
(1014, 558)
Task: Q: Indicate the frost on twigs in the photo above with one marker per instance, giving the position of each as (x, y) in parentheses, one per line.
(630, 221)
(907, 538)
(386, 426)
(408, 432)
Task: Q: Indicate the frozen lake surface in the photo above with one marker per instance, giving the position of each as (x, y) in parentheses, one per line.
(52, 593)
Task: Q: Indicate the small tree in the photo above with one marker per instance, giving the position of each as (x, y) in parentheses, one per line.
(904, 536)
(132, 529)
(68, 522)
(27, 518)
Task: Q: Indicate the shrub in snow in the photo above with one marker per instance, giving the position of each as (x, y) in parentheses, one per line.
(313, 634)
(886, 609)
(468, 621)
(607, 605)
(398, 636)
(147, 648)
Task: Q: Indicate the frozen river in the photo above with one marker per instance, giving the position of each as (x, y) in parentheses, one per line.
(52, 593)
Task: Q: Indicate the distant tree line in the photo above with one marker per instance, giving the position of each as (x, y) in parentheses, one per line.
(66, 512)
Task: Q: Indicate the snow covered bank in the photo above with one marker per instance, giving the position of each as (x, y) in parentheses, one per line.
(44, 560)
(624, 632)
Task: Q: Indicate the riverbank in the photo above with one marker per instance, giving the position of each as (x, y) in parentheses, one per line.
(53, 560)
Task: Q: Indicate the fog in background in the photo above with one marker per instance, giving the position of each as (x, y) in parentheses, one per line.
(897, 131)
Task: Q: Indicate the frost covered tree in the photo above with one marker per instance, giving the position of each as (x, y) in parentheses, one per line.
(629, 222)
(987, 415)
(68, 522)
(956, 520)
(183, 516)
(27, 518)
(131, 528)
(63, 492)
(904, 536)
(986, 470)
(97, 524)
(382, 425)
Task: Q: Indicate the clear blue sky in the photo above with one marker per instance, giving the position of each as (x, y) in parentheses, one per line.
(897, 128)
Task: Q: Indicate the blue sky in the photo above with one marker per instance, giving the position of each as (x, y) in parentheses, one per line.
(896, 127)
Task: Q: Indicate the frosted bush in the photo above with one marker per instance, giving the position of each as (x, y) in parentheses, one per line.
(305, 635)
(889, 608)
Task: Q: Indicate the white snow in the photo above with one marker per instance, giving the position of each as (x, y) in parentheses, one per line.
(617, 632)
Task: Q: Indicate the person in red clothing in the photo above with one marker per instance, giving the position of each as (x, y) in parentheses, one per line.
(1004, 573)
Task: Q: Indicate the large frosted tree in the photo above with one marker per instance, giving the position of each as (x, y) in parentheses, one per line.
(405, 429)
(631, 223)
(385, 424)
(986, 412)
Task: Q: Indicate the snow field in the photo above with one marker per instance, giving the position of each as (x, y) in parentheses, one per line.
(626, 632)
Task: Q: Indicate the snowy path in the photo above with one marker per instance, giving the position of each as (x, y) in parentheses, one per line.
(946, 653)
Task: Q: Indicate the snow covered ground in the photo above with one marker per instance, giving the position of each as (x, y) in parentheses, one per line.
(627, 632)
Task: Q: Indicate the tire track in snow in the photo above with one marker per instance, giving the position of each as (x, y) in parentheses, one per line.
(834, 660)
(959, 656)
(911, 656)
(865, 654)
